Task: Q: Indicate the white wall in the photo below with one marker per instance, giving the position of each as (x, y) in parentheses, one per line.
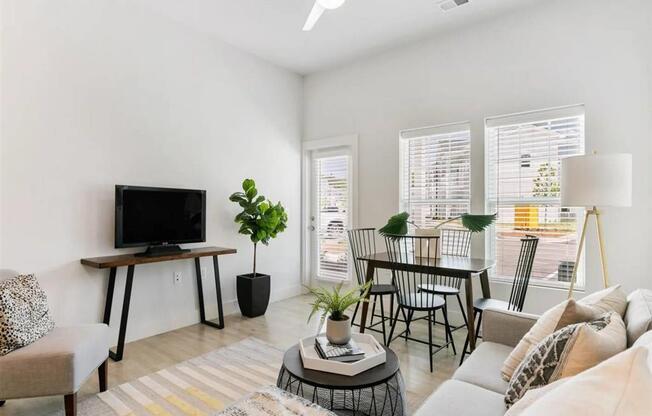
(102, 93)
(560, 52)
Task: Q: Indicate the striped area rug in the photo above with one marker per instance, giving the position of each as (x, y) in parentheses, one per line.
(204, 385)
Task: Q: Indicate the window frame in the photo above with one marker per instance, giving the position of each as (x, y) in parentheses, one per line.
(533, 116)
(421, 132)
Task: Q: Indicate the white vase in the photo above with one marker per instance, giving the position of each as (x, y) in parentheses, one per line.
(424, 248)
(338, 332)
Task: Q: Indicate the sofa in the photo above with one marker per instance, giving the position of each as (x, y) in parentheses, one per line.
(477, 387)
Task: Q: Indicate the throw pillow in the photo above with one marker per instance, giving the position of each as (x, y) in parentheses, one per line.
(568, 352)
(619, 386)
(24, 313)
(638, 317)
(566, 313)
(606, 300)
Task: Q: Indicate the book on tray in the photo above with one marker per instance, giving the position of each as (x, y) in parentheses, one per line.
(344, 353)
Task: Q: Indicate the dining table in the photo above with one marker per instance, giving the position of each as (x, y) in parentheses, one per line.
(465, 268)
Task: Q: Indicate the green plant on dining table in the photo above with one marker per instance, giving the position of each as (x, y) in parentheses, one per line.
(398, 224)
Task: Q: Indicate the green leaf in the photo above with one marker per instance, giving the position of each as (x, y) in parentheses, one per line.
(251, 193)
(476, 222)
(248, 183)
(397, 224)
(263, 206)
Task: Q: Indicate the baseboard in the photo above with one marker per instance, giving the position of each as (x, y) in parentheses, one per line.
(231, 306)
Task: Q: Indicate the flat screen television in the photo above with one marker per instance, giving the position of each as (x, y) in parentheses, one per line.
(160, 218)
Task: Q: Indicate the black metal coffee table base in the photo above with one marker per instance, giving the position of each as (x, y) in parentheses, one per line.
(378, 391)
(384, 399)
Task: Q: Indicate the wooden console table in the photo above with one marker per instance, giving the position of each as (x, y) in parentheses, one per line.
(131, 260)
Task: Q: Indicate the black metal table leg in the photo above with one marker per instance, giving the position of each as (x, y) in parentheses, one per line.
(200, 291)
(108, 304)
(117, 356)
(218, 294)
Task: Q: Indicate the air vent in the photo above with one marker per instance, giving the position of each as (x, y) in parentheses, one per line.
(447, 5)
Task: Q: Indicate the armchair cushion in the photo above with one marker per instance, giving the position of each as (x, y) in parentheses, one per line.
(24, 313)
(56, 364)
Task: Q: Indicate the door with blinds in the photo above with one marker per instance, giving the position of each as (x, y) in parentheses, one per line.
(330, 216)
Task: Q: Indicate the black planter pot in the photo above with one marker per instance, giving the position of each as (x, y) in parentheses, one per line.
(253, 294)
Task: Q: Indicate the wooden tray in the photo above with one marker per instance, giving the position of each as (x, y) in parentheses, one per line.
(374, 355)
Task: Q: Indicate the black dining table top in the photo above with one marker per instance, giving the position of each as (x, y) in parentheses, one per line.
(451, 263)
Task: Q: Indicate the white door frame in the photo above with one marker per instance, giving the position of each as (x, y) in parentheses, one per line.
(350, 142)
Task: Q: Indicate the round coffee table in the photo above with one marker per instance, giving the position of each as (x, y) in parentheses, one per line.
(377, 391)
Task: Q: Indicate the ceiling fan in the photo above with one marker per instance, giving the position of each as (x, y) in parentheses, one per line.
(318, 9)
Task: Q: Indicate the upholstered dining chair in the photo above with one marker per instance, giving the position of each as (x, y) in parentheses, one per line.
(56, 364)
(416, 250)
(519, 287)
(363, 243)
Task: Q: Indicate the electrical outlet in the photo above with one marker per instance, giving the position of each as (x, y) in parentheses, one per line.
(177, 278)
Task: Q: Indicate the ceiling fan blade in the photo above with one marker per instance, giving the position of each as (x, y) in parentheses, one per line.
(315, 14)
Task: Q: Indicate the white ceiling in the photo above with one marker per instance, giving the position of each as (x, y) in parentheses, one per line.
(271, 29)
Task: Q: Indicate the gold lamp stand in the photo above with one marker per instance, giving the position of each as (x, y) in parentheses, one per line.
(603, 259)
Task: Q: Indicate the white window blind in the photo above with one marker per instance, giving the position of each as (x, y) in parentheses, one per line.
(523, 186)
(436, 173)
(333, 216)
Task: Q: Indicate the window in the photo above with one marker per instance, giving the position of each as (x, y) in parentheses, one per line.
(524, 153)
(436, 173)
(333, 214)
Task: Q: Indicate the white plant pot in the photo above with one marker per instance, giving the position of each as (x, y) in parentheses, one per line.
(422, 249)
(338, 332)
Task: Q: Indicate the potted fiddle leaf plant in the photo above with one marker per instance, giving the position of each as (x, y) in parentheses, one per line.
(262, 221)
(333, 305)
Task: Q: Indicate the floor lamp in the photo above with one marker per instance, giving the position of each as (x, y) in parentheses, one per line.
(593, 181)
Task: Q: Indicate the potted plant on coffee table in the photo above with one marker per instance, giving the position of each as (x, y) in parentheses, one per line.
(333, 305)
(262, 221)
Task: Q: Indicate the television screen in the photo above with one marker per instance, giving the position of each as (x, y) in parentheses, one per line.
(155, 216)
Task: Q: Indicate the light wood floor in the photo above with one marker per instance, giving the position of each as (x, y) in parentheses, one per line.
(283, 324)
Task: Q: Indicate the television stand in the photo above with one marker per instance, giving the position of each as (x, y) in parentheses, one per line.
(162, 250)
(131, 260)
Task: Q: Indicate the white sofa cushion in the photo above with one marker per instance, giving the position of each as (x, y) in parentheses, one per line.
(457, 398)
(638, 317)
(482, 368)
(619, 386)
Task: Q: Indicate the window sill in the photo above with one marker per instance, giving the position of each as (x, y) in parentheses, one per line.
(560, 286)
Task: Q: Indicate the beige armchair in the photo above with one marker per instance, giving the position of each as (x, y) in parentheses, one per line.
(57, 364)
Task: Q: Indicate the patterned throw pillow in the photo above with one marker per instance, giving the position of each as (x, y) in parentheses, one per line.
(566, 313)
(24, 313)
(567, 352)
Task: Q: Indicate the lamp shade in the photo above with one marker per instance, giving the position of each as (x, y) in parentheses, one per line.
(597, 180)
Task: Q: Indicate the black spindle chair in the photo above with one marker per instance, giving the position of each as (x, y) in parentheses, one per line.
(416, 250)
(519, 287)
(363, 243)
(454, 243)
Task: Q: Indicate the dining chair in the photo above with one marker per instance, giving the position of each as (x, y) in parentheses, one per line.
(519, 287)
(417, 251)
(454, 243)
(363, 243)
